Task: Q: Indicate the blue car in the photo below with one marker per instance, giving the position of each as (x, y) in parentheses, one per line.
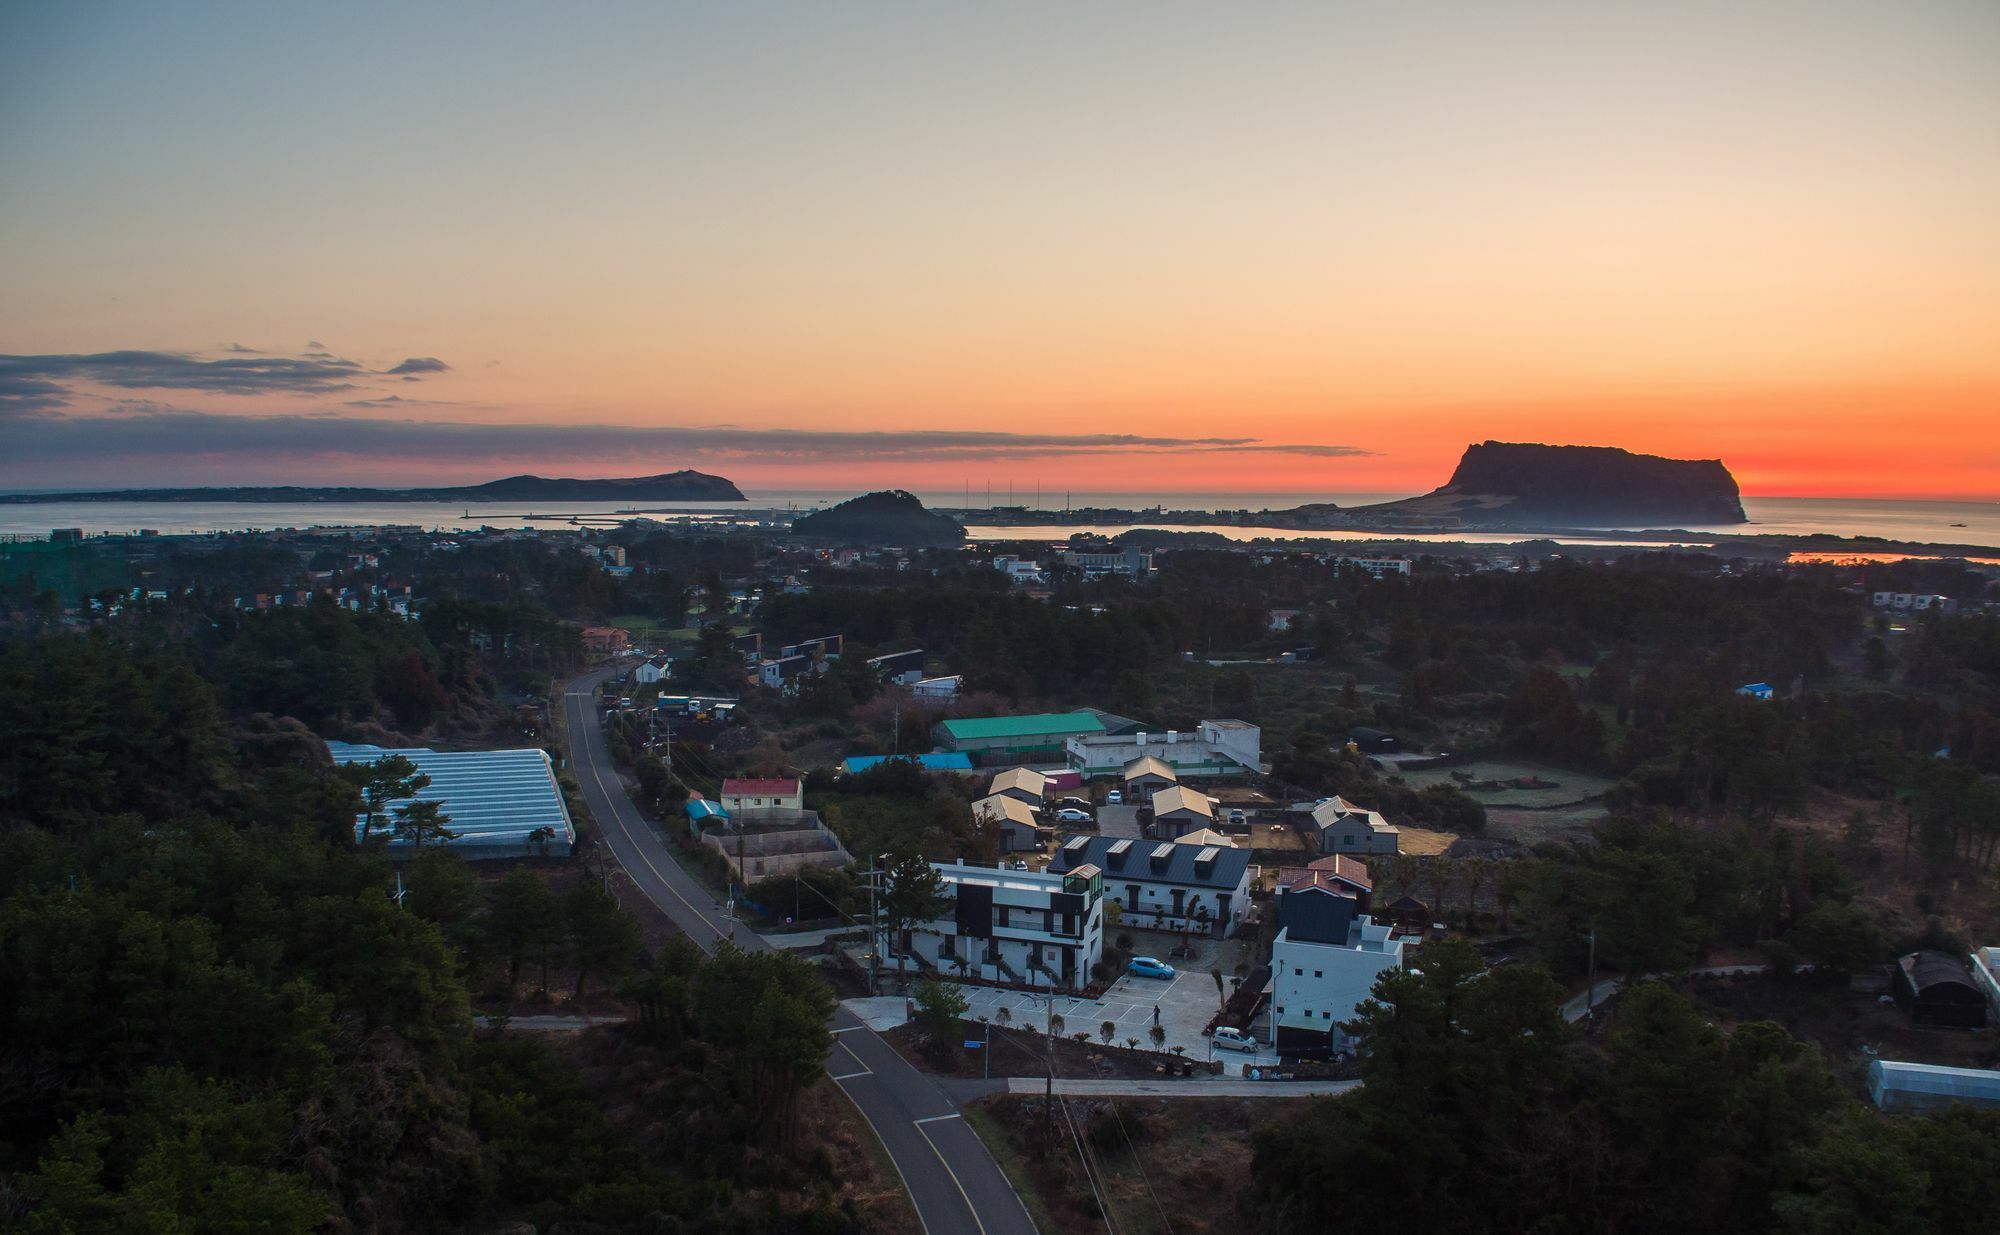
(1147, 967)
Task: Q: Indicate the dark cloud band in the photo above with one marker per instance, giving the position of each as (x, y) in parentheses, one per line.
(42, 441)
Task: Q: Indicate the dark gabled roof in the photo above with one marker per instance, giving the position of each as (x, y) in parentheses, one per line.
(1317, 915)
(1135, 862)
(1407, 904)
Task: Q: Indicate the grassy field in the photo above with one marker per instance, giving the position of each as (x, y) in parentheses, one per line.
(1572, 802)
(1165, 1164)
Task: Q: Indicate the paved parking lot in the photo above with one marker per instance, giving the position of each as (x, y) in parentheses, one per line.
(1184, 1005)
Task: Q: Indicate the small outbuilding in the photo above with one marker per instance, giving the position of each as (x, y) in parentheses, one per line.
(1022, 784)
(1935, 988)
(1178, 809)
(1146, 776)
(1919, 1087)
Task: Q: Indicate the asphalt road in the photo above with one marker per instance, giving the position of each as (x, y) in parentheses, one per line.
(954, 1182)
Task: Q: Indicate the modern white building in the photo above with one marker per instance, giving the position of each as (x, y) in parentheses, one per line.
(1034, 928)
(1164, 884)
(1215, 748)
(655, 670)
(1324, 962)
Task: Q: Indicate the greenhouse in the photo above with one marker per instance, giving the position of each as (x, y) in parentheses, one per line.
(1919, 1087)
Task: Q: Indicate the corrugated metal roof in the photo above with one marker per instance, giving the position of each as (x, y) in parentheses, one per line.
(955, 761)
(492, 798)
(976, 728)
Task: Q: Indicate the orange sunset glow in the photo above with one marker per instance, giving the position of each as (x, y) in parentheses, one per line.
(1147, 249)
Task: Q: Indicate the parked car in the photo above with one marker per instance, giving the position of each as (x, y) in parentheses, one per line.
(1234, 1040)
(1115, 798)
(1070, 814)
(1238, 818)
(1079, 803)
(1147, 967)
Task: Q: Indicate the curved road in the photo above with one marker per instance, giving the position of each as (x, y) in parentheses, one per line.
(950, 1176)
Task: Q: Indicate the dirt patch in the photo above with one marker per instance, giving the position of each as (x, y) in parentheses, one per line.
(1424, 843)
(1174, 1164)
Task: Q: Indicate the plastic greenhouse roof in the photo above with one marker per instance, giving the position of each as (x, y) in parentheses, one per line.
(490, 797)
(1929, 1078)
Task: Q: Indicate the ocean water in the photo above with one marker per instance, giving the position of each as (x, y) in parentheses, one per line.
(1919, 521)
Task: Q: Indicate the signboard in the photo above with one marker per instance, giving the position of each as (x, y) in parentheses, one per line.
(973, 1044)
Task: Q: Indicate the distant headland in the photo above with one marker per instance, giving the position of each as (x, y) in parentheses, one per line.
(1527, 485)
(681, 486)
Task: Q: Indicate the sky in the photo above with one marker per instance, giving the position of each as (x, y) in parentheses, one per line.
(1158, 247)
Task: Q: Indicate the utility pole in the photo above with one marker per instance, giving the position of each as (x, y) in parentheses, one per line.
(1049, 1100)
(1590, 992)
(874, 925)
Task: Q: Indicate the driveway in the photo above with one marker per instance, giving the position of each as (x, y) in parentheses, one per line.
(1118, 821)
(1184, 1006)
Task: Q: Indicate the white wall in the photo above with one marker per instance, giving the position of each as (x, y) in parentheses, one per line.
(1321, 978)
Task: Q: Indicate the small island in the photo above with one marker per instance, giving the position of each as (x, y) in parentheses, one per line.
(681, 486)
(891, 517)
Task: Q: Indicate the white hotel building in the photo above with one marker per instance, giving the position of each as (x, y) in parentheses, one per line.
(1013, 926)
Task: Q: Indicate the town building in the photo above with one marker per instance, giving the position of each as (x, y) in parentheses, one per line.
(1379, 567)
(940, 689)
(1336, 872)
(1013, 739)
(1018, 570)
(1178, 809)
(746, 793)
(1035, 928)
(1914, 602)
(1756, 690)
(782, 672)
(1022, 784)
(901, 668)
(606, 641)
(1145, 776)
(1215, 748)
(1339, 826)
(1164, 885)
(1324, 962)
(497, 803)
(1012, 818)
(656, 669)
(1121, 562)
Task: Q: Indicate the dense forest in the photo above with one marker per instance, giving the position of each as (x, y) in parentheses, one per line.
(1484, 1113)
(215, 1017)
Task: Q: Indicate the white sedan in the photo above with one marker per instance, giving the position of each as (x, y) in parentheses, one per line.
(1235, 1040)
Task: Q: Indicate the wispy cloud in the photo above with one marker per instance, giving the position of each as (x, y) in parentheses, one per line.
(36, 383)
